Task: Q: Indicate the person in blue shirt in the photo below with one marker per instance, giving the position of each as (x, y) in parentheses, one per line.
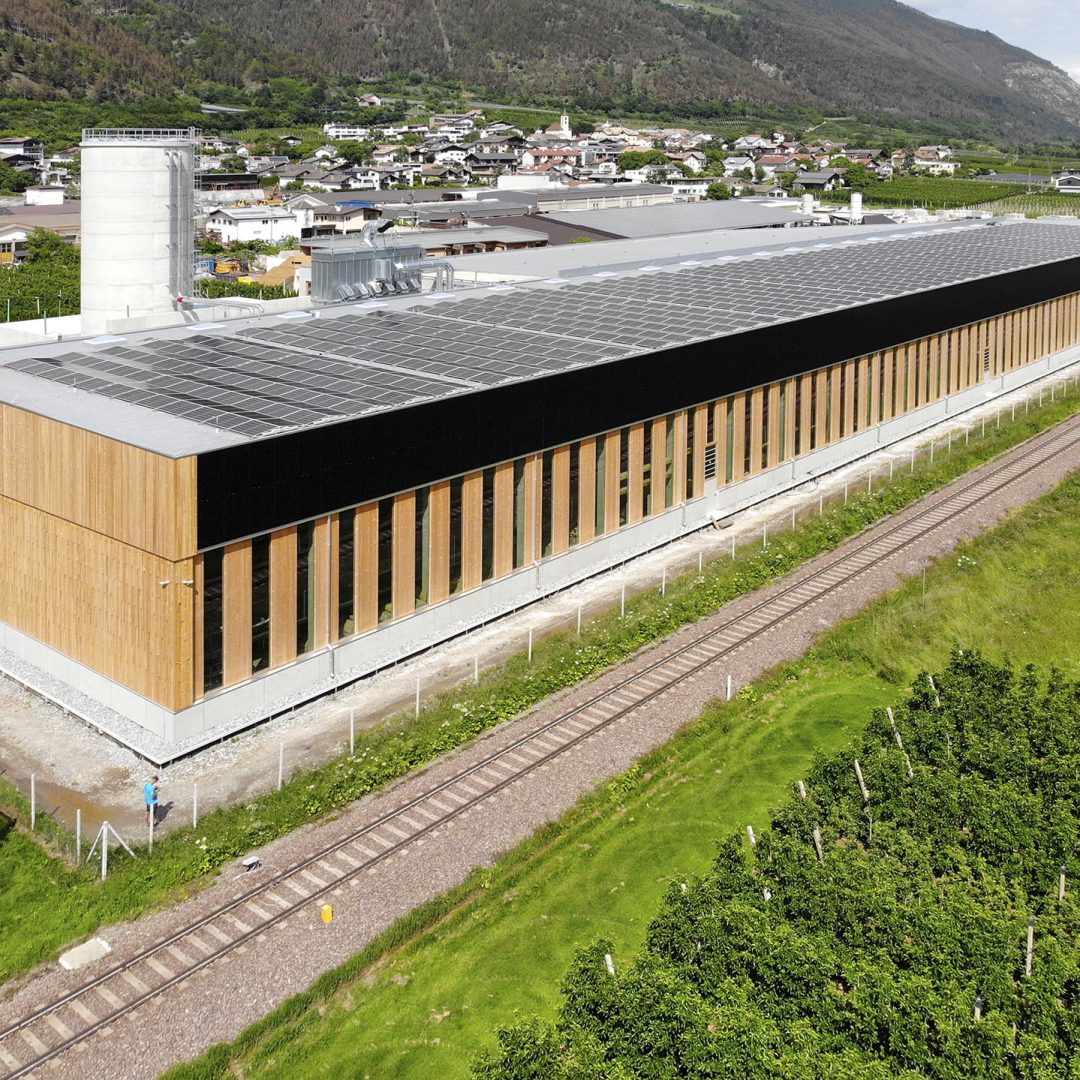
(150, 794)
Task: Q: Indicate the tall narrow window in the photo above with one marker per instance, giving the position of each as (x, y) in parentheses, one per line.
(815, 435)
(766, 427)
(575, 493)
(748, 431)
(646, 473)
(519, 513)
(487, 570)
(422, 546)
(669, 464)
(624, 474)
(841, 420)
(601, 484)
(456, 487)
(691, 434)
(346, 573)
(386, 560)
(305, 587)
(260, 603)
(710, 422)
(546, 508)
(729, 442)
(782, 423)
(827, 435)
(213, 615)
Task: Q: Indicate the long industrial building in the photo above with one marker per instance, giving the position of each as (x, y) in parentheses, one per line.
(205, 523)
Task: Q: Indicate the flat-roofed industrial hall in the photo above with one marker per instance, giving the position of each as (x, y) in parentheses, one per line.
(204, 521)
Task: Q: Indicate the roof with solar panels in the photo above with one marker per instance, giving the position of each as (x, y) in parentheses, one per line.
(204, 386)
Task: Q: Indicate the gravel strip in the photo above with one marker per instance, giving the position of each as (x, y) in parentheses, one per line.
(217, 1004)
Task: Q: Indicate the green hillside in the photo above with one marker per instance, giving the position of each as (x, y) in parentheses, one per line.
(789, 59)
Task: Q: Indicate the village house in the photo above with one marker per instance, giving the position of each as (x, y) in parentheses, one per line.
(242, 224)
(1067, 181)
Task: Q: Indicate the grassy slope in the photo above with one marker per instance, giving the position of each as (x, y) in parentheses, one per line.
(601, 871)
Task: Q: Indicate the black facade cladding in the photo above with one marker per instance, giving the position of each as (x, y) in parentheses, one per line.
(265, 485)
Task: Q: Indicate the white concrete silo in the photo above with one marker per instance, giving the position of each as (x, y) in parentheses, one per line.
(138, 223)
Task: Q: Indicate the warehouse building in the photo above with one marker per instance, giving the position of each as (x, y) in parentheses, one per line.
(205, 523)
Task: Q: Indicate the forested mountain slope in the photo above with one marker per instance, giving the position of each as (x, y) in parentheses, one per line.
(855, 55)
(601, 56)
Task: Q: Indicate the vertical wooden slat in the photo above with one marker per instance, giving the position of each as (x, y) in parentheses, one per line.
(586, 490)
(236, 608)
(934, 367)
(439, 572)
(404, 586)
(658, 462)
(847, 405)
(560, 500)
(366, 567)
(283, 596)
(533, 465)
(700, 420)
(836, 405)
(504, 518)
(738, 437)
(888, 406)
(776, 431)
(612, 476)
(720, 429)
(875, 389)
(821, 389)
(806, 414)
(679, 462)
(862, 403)
(635, 474)
(472, 530)
(757, 430)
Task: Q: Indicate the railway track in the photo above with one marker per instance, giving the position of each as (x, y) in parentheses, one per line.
(48, 1032)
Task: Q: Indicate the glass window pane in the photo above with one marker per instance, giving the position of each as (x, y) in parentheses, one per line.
(260, 603)
(488, 555)
(346, 572)
(213, 626)
(422, 545)
(575, 492)
(305, 587)
(546, 508)
(669, 464)
(646, 471)
(624, 475)
(519, 513)
(729, 436)
(601, 483)
(386, 560)
(456, 487)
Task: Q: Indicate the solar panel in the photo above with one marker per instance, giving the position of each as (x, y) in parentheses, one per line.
(275, 376)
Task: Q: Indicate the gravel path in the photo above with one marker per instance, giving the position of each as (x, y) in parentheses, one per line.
(218, 1003)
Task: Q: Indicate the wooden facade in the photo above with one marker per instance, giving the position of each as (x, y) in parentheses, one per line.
(100, 537)
(99, 553)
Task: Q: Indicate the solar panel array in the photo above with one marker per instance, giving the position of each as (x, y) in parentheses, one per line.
(283, 374)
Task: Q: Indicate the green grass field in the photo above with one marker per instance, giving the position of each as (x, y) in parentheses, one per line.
(427, 1006)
